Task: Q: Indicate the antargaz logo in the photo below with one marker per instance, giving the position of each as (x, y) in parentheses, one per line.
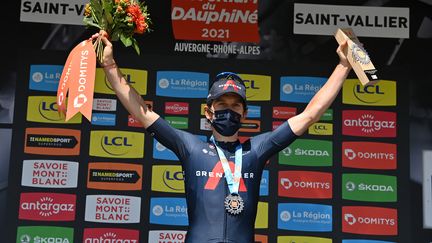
(369, 188)
(307, 152)
(114, 176)
(47, 206)
(117, 144)
(367, 123)
(369, 155)
(369, 220)
(52, 141)
(167, 178)
(110, 235)
(380, 94)
(44, 109)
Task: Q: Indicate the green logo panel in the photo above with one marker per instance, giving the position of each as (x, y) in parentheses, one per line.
(307, 152)
(38, 234)
(178, 122)
(369, 188)
(327, 116)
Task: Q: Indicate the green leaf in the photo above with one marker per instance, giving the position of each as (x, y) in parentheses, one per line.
(127, 41)
(135, 45)
(107, 8)
(88, 21)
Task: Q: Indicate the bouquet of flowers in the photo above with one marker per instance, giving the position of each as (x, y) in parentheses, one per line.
(120, 19)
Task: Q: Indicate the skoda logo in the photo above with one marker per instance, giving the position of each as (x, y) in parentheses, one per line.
(37, 77)
(157, 210)
(350, 186)
(25, 239)
(286, 151)
(285, 216)
(287, 89)
(163, 83)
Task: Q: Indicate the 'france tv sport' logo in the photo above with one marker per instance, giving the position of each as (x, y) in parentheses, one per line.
(300, 89)
(45, 77)
(182, 84)
(168, 211)
(305, 217)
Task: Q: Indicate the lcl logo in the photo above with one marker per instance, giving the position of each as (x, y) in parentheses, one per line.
(44, 106)
(369, 89)
(178, 175)
(116, 141)
(250, 84)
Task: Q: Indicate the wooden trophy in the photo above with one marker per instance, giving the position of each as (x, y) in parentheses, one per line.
(357, 57)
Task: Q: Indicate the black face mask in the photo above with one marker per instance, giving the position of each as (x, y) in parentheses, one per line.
(226, 122)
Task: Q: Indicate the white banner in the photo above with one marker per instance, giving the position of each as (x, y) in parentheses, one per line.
(50, 174)
(112, 209)
(161, 236)
(427, 189)
(53, 11)
(372, 21)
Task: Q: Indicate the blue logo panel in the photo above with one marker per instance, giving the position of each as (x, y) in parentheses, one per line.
(168, 211)
(305, 217)
(254, 111)
(45, 77)
(182, 84)
(103, 119)
(300, 89)
(162, 152)
(264, 186)
(366, 241)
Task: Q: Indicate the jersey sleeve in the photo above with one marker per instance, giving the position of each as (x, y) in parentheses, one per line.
(270, 143)
(178, 141)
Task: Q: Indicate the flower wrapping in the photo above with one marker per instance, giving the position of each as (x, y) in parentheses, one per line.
(117, 19)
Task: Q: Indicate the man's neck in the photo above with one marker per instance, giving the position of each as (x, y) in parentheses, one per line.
(220, 138)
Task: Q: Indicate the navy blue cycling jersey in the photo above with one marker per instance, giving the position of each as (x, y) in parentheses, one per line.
(206, 186)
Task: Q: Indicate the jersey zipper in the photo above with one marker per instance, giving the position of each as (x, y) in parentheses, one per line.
(225, 214)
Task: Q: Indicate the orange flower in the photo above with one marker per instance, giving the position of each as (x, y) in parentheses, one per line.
(87, 10)
(138, 18)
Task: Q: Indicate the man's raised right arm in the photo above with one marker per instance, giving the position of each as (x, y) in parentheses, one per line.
(128, 96)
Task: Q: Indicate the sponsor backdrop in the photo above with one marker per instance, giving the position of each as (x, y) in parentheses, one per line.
(342, 181)
(345, 180)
